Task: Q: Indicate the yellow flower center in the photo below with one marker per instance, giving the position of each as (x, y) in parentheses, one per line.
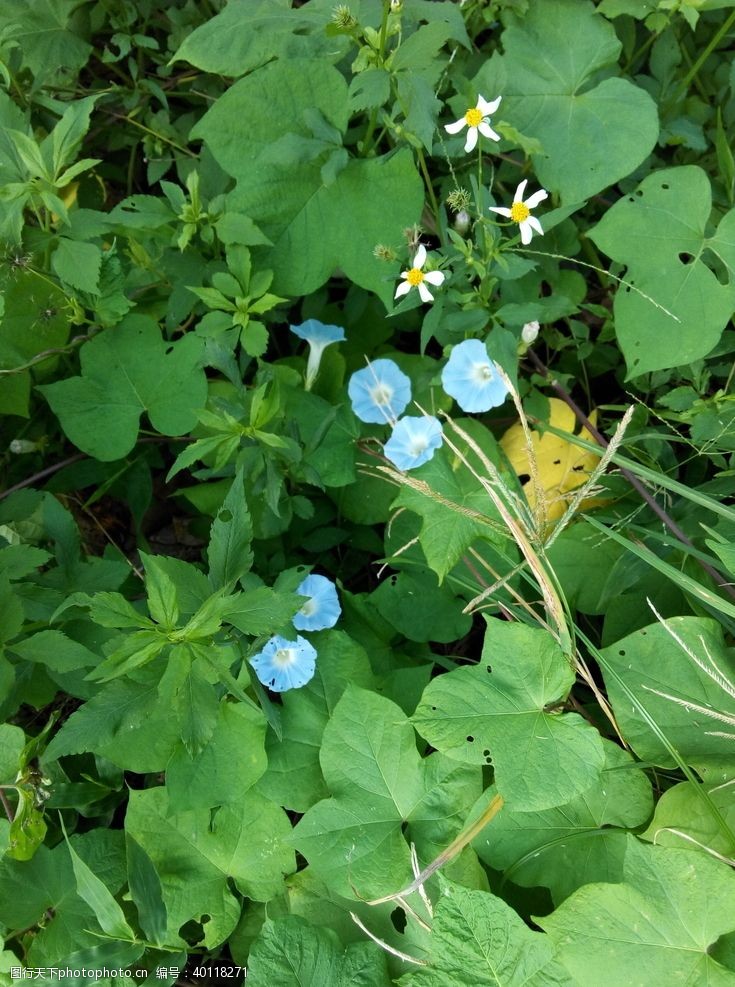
(519, 211)
(415, 277)
(473, 117)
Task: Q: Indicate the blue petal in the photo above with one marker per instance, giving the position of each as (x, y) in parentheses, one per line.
(282, 672)
(413, 442)
(471, 378)
(316, 333)
(365, 384)
(322, 609)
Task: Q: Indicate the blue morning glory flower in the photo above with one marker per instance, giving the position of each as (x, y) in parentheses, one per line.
(318, 336)
(322, 609)
(413, 442)
(380, 392)
(472, 379)
(283, 665)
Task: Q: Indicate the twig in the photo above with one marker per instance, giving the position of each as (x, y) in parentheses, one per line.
(7, 806)
(633, 480)
(49, 471)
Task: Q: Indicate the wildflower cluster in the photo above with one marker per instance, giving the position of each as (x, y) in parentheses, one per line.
(285, 664)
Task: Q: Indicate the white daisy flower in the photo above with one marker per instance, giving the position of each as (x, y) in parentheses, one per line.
(476, 119)
(520, 211)
(415, 277)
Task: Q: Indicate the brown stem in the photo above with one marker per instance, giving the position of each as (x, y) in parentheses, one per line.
(633, 480)
(6, 805)
(49, 471)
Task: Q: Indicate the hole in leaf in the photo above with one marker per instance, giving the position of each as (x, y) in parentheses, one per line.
(622, 654)
(523, 478)
(169, 350)
(665, 186)
(639, 192)
(578, 469)
(224, 516)
(686, 258)
(714, 263)
(470, 740)
(433, 709)
(398, 919)
(486, 753)
(557, 462)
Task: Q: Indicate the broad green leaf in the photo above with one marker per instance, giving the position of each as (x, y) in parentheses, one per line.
(294, 777)
(501, 712)
(291, 951)
(95, 892)
(582, 842)
(659, 233)
(35, 319)
(230, 555)
(55, 651)
(50, 42)
(478, 939)
(229, 764)
(593, 132)
(262, 610)
(355, 840)
(683, 820)
(125, 373)
(78, 264)
(68, 134)
(314, 228)
(145, 890)
(45, 887)
(196, 856)
(419, 608)
(111, 610)
(249, 33)
(451, 508)
(12, 742)
(124, 722)
(17, 561)
(133, 651)
(655, 928)
(650, 662)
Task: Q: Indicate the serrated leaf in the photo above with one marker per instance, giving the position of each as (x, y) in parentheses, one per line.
(134, 651)
(197, 707)
(229, 553)
(125, 373)
(496, 712)
(145, 890)
(48, 42)
(262, 610)
(163, 601)
(55, 651)
(78, 264)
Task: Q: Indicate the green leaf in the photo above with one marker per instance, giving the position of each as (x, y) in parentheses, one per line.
(294, 778)
(249, 33)
(230, 763)
(229, 554)
(55, 651)
(593, 133)
(134, 651)
(496, 712)
(125, 373)
(582, 842)
(650, 662)
(197, 856)
(655, 928)
(415, 604)
(107, 610)
(355, 841)
(683, 820)
(478, 938)
(163, 604)
(291, 951)
(145, 890)
(658, 232)
(89, 887)
(68, 134)
(78, 264)
(50, 43)
(17, 561)
(35, 319)
(12, 742)
(315, 228)
(262, 610)
(197, 708)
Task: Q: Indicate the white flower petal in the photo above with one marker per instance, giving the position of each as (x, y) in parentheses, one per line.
(402, 289)
(471, 141)
(533, 200)
(426, 295)
(535, 225)
(454, 128)
(420, 257)
(487, 131)
(487, 109)
(500, 209)
(518, 197)
(434, 277)
(526, 232)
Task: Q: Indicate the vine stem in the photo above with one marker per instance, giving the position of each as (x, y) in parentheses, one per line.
(633, 480)
(430, 192)
(381, 51)
(707, 51)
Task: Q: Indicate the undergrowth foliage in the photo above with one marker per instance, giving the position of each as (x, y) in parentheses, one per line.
(367, 561)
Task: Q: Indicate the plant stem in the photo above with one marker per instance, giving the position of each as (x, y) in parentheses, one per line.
(381, 51)
(715, 40)
(430, 191)
(633, 480)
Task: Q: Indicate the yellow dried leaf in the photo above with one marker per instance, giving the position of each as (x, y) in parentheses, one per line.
(561, 465)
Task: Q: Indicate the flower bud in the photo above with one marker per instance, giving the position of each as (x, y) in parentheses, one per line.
(530, 332)
(462, 221)
(20, 446)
